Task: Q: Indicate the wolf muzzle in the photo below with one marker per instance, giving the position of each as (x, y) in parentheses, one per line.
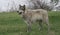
(19, 12)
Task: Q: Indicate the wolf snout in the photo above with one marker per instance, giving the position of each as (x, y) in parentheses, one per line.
(20, 13)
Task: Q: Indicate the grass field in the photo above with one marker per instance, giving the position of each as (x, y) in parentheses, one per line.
(12, 24)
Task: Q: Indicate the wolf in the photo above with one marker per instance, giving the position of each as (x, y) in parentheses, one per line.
(30, 16)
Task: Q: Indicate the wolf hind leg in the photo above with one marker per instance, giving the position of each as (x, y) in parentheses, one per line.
(40, 24)
(48, 25)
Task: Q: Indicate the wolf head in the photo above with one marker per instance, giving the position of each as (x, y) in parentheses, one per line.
(21, 9)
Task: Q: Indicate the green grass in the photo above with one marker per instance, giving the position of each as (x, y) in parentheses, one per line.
(12, 24)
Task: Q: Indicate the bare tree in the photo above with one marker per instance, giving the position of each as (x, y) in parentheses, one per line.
(13, 7)
(55, 2)
(8, 8)
(40, 4)
(43, 5)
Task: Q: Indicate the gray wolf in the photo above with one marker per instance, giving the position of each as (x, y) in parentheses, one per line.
(30, 16)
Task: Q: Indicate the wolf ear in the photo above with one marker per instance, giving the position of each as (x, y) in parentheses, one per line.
(24, 7)
(19, 7)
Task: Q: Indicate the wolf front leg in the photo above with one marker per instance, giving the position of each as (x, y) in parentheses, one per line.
(28, 26)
